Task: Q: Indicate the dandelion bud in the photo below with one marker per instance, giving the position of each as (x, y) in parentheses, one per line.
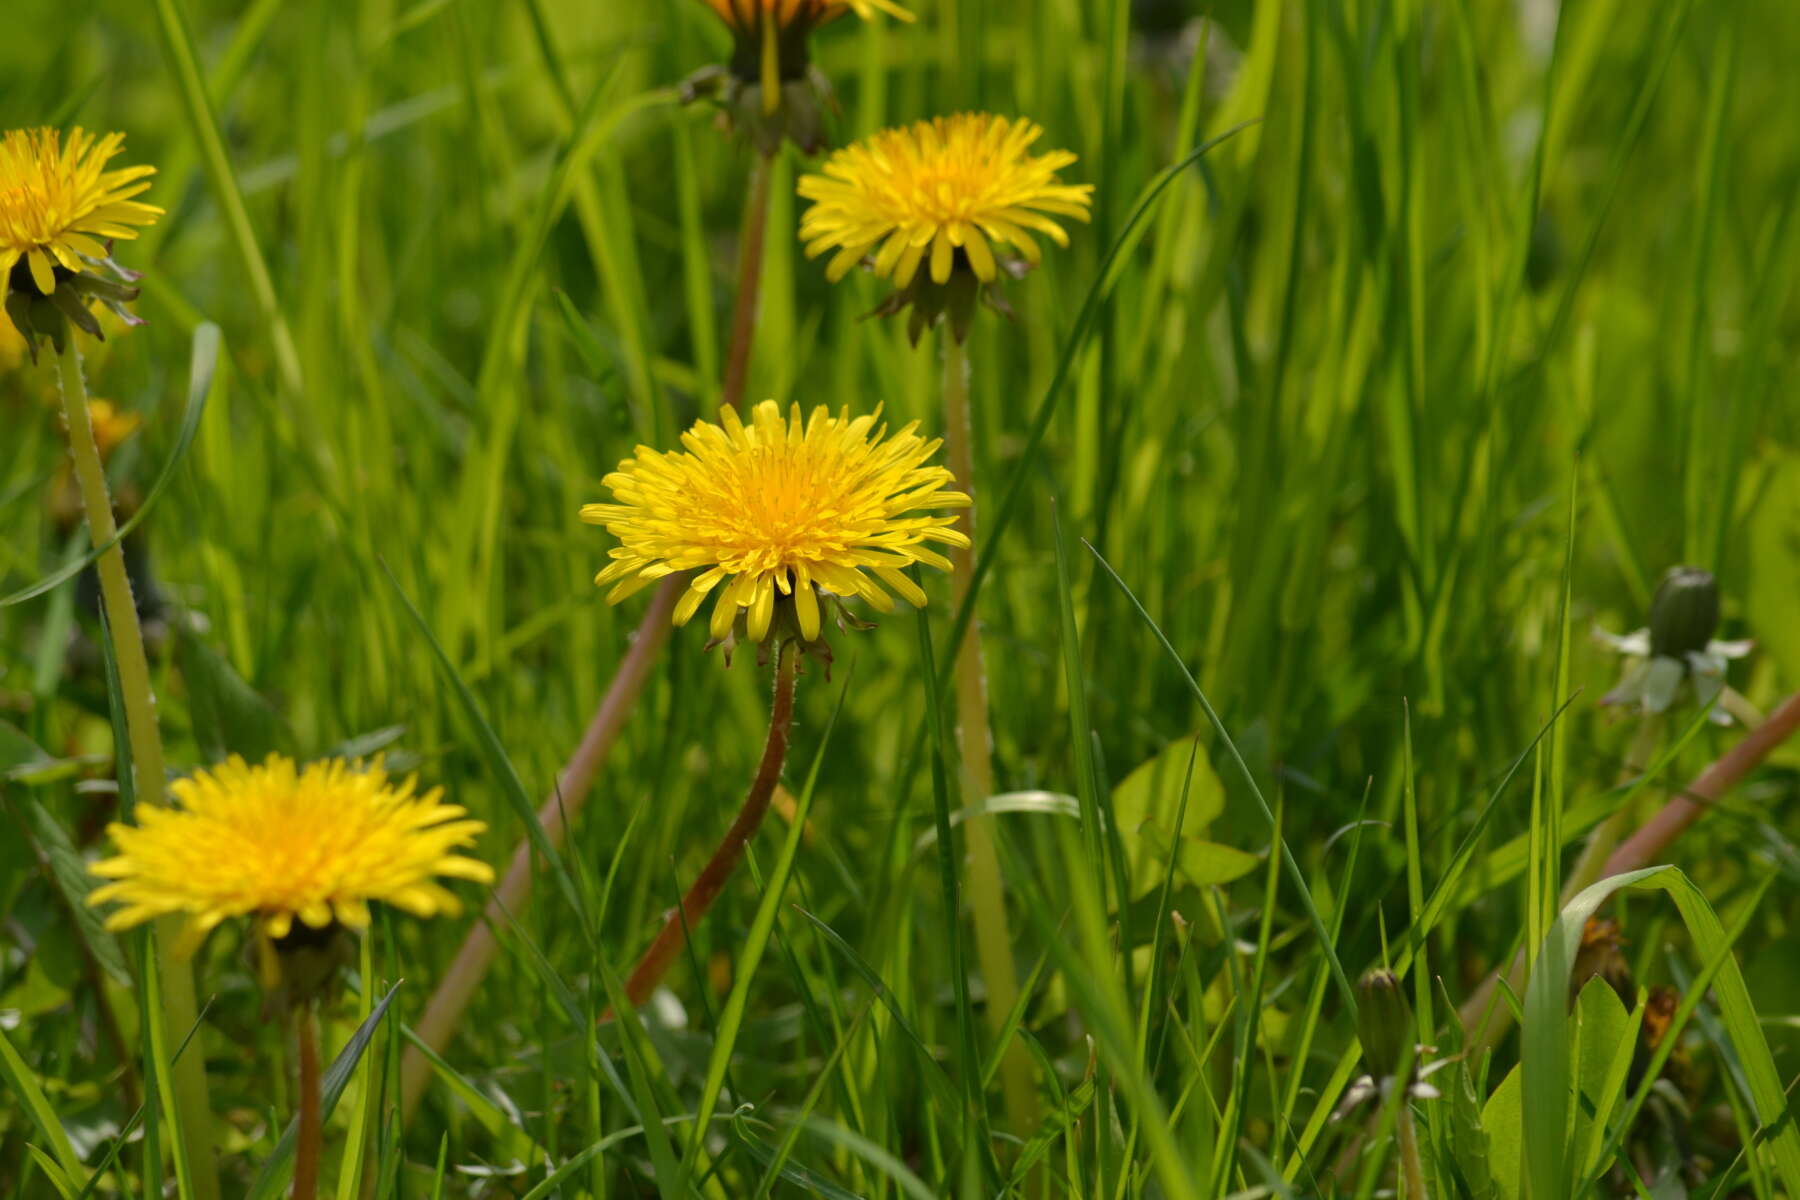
(1684, 614)
(1384, 1021)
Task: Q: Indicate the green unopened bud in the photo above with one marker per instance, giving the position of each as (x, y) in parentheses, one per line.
(1383, 1021)
(1684, 614)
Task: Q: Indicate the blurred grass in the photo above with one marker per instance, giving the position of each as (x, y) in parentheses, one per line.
(1478, 261)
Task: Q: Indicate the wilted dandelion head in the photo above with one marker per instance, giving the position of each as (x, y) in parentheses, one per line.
(940, 193)
(284, 843)
(778, 515)
(770, 92)
(748, 16)
(59, 207)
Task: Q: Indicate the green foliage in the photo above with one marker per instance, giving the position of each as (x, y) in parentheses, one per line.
(1331, 442)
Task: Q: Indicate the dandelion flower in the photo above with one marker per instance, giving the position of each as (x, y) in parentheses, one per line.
(284, 843)
(770, 90)
(57, 201)
(59, 207)
(939, 193)
(777, 515)
(748, 16)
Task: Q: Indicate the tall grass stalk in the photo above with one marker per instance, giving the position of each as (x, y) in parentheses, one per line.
(145, 747)
(1412, 1167)
(975, 742)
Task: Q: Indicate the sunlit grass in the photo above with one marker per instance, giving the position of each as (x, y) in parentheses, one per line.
(1484, 320)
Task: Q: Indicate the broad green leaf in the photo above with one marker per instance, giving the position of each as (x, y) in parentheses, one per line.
(229, 716)
(18, 752)
(1502, 1118)
(1200, 862)
(69, 873)
(1544, 1063)
(1145, 804)
(1603, 1023)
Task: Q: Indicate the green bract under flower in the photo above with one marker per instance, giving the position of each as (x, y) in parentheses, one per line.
(59, 212)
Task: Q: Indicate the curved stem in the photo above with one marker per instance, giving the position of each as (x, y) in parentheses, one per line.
(1606, 835)
(711, 881)
(310, 1143)
(1410, 1163)
(750, 260)
(1486, 1022)
(451, 998)
(115, 587)
(445, 1008)
(145, 746)
(1648, 843)
(987, 896)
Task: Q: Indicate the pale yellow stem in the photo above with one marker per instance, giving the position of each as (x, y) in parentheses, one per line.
(987, 899)
(145, 744)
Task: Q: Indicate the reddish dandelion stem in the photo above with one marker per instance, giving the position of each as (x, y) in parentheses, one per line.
(750, 258)
(452, 996)
(1648, 843)
(711, 881)
(1486, 1022)
(311, 1140)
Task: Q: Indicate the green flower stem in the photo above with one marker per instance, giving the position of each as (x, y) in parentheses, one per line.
(987, 897)
(750, 260)
(177, 978)
(309, 1145)
(1410, 1163)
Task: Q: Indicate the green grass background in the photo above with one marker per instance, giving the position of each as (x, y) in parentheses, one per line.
(1487, 320)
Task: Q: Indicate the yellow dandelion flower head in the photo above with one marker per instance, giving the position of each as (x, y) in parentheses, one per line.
(952, 187)
(746, 16)
(57, 201)
(791, 506)
(283, 843)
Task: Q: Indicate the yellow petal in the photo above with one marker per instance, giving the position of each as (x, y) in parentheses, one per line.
(806, 606)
